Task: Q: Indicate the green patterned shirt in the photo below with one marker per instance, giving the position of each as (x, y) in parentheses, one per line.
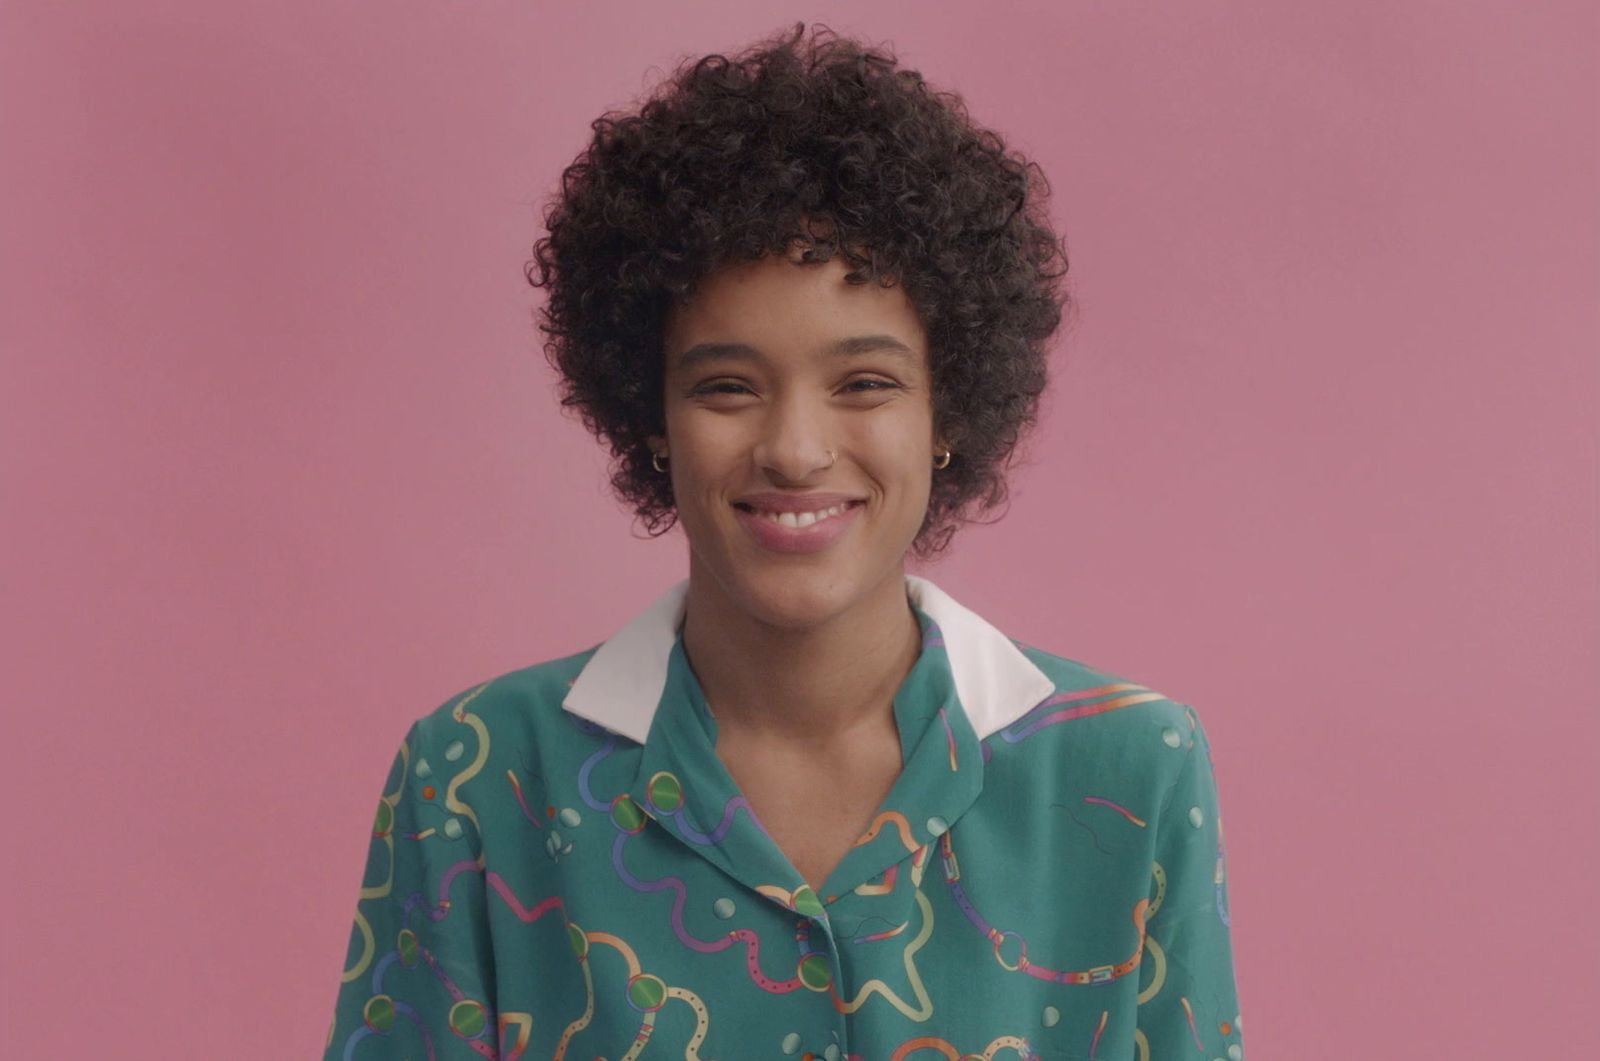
(562, 867)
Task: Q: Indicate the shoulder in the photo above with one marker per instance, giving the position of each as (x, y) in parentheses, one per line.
(1105, 720)
(525, 702)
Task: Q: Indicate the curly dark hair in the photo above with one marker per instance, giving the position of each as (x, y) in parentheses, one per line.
(826, 145)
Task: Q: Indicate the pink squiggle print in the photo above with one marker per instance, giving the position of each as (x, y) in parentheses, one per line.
(680, 895)
(517, 787)
(1015, 734)
(498, 883)
(1124, 811)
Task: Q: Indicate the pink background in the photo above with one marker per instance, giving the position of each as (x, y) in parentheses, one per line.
(282, 470)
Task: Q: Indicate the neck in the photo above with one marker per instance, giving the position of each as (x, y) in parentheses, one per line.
(815, 683)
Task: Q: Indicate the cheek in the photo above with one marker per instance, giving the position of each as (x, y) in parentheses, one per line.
(900, 441)
(699, 481)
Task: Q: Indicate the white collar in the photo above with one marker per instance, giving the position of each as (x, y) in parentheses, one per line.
(621, 684)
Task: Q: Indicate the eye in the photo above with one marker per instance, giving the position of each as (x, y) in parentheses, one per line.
(729, 387)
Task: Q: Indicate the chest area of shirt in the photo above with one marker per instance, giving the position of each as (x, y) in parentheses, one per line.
(944, 941)
(814, 807)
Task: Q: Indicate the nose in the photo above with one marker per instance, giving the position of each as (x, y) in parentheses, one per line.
(794, 441)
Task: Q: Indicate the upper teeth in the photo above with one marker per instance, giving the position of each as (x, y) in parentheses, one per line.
(801, 519)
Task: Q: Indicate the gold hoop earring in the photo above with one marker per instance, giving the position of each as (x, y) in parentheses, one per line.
(655, 461)
(946, 463)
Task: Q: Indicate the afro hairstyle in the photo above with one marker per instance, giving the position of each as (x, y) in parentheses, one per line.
(827, 144)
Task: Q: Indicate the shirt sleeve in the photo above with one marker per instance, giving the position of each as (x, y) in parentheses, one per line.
(419, 976)
(1188, 998)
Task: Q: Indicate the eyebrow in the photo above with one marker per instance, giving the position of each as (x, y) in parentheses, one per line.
(853, 346)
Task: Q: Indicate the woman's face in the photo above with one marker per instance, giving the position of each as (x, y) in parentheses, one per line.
(759, 386)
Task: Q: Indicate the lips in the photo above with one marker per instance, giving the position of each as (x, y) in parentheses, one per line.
(777, 536)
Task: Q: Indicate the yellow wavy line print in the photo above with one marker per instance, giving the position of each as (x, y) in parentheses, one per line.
(369, 946)
(924, 1008)
(456, 806)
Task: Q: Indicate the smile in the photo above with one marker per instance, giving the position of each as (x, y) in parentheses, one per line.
(799, 532)
(796, 519)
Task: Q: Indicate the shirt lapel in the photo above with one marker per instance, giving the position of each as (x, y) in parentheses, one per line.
(623, 681)
(941, 772)
(968, 682)
(683, 785)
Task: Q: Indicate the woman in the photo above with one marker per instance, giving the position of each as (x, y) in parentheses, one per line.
(804, 804)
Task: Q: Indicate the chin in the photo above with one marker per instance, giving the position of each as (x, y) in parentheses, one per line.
(805, 595)
(789, 595)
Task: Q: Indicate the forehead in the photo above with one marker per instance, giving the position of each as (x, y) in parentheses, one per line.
(777, 306)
